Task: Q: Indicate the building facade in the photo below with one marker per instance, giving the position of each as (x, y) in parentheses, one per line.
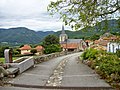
(25, 49)
(113, 47)
(71, 44)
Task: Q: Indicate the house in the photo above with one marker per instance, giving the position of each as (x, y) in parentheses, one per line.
(102, 43)
(113, 47)
(25, 49)
(71, 44)
(39, 49)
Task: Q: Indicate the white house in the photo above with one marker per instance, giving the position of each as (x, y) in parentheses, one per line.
(112, 47)
(25, 49)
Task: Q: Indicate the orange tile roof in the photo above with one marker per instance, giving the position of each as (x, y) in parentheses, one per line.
(25, 47)
(114, 38)
(103, 42)
(100, 48)
(39, 48)
(110, 38)
(70, 45)
(96, 41)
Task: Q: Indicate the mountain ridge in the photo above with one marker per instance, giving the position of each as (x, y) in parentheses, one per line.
(23, 35)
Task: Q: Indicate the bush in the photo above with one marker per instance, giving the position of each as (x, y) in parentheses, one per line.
(118, 53)
(52, 48)
(105, 64)
(90, 54)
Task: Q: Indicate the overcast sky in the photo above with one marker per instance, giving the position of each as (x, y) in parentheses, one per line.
(28, 13)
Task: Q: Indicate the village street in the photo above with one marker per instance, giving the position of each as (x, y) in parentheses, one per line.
(64, 71)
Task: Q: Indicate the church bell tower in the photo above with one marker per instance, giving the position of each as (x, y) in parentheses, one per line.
(63, 36)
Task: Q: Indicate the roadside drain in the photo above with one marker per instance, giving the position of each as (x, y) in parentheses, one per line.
(56, 78)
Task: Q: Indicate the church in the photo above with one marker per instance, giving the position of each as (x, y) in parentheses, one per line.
(71, 44)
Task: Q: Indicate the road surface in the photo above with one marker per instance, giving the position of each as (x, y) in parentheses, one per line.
(65, 71)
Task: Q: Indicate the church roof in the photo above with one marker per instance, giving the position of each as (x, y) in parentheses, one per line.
(74, 40)
(70, 45)
(71, 41)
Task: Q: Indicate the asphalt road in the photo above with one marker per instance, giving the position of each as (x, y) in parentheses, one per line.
(64, 71)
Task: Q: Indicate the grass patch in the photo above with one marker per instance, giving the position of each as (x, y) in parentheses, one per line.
(3, 59)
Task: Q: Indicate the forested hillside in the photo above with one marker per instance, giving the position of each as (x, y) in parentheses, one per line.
(22, 35)
(112, 26)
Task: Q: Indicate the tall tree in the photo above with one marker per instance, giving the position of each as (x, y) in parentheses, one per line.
(50, 39)
(51, 44)
(82, 13)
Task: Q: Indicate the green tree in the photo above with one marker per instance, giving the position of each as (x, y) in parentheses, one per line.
(21, 46)
(118, 53)
(50, 39)
(52, 48)
(2, 48)
(95, 37)
(82, 13)
(51, 44)
(33, 51)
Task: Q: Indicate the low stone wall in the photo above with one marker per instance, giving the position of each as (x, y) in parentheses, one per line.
(47, 57)
(24, 64)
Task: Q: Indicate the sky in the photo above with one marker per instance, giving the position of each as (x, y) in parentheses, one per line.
(28, 13)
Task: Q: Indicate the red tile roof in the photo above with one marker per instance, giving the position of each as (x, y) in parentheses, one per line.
(39, 48)
(25, 47)
(70, 45)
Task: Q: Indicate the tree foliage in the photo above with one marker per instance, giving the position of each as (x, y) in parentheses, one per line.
(33, 51)
(82, 13)
(51, 44)
(50, 39)
(2, 48)
(52, 48)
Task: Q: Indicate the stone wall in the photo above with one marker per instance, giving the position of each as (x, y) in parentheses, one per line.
(24, 64)
(47, 57)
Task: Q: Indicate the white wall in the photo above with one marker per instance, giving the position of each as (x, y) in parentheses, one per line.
(25, 51)
(112, 47)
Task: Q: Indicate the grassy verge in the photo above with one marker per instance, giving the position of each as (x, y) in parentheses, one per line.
(3, 59)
